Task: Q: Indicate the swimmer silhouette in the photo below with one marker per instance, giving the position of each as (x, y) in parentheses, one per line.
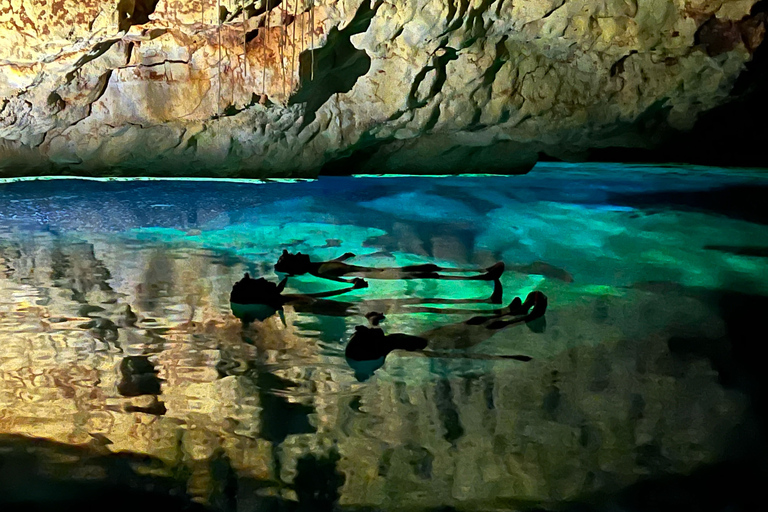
(258, 299)
(368, 347)
(300, 264)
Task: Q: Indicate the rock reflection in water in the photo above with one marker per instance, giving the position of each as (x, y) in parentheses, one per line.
(121, 367)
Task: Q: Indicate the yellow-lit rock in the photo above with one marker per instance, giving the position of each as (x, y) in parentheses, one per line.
(83, 83)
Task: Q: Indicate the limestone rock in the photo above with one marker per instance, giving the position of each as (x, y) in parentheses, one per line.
(165, 87)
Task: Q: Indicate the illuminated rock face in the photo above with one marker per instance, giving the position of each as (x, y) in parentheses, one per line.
(156, 87)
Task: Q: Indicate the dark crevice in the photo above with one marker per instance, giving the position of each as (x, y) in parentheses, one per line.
(498, 7)
(717, 36)
(102, 87)
(451, 11)
(743, 202)
(730, 135)
(231, 110)
(502, 56)
(489, 76)
(433, 118)
(459, 21)
(155, 64)
(98, 50)
(134, 12)
(553, 9)
(618, 67)
(55, 102)
(475, 24)
(441, 60)
(356, 158)
(253, 34)
(250, 10)
(337, 65)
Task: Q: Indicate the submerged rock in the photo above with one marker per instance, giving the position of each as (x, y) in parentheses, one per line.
(428, 86)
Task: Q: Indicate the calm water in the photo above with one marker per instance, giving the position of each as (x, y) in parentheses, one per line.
(124, 376)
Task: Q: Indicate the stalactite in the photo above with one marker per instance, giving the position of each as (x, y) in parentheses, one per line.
(218, 65)
(267, 12)
(293, 38)
(245, 45)
(230, 9)
(312, 38)
(282, 43)
(301, 31)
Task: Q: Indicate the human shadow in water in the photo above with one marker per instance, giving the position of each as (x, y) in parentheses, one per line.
(258, 299)
(369, 346)
(300, 264)
(138, 377)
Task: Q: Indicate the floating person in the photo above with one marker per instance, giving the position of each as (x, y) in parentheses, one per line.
(300, 264)
(258, 299)
(139, 378)
(368, 347)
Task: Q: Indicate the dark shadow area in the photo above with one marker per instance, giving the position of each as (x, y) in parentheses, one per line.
(738, 202)
(280, 418)
(754, 251)
(336, 66)
(733, 486)
(317, 482)
(735, 483)
(731, 135)
(134, 12)
(40, 475)
(736, 356)
(355, 158)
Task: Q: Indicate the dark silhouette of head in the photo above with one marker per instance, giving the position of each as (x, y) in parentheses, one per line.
(257, 291)
(368, 347)
(255, 299)
(293, 264)
(375, 318)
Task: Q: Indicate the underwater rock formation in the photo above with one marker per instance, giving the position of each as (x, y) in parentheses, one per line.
(289, 87)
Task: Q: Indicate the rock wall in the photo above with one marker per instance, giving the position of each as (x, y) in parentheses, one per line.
(288, 87)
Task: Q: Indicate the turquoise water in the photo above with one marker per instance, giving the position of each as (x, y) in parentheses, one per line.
(643, 373)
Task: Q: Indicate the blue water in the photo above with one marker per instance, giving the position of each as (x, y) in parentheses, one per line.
(643, 370)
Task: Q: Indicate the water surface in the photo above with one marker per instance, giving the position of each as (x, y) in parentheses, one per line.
(645, 373)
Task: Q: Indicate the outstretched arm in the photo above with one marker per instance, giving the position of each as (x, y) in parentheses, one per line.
(333, 278)
(359, 283)
(344, 257)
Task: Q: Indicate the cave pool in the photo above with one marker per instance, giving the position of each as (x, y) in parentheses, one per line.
(644, 389)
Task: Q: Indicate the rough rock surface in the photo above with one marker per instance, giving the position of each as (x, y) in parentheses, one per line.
(159, 87)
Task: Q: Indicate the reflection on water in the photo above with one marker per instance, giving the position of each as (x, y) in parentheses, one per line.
(124, 373)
